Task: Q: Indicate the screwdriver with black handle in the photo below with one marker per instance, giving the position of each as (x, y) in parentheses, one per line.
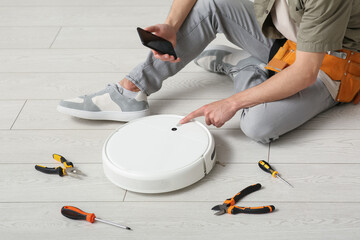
(265, 166)
(78, 214)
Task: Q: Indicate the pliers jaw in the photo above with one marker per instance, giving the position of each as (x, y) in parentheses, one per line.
(69, 167)
(74, 172)
(221, 209)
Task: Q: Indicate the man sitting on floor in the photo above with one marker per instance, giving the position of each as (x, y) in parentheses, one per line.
(318, 64)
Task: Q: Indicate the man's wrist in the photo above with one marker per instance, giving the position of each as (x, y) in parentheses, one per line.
(240, 100)
(172, 23)
(234, 103)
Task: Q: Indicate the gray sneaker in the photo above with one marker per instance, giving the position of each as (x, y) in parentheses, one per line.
(220, 59)
(108, 104)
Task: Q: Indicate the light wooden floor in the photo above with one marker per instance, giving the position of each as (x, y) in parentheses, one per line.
(55, 49)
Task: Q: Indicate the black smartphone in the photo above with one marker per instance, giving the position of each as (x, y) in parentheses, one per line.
(157, 43)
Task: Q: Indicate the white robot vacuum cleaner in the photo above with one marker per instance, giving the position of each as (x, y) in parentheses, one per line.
(155, 155)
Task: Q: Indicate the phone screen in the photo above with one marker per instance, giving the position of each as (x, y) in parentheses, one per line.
(155, 42)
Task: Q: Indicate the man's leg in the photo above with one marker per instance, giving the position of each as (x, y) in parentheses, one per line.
(234, 18)
(266, 122)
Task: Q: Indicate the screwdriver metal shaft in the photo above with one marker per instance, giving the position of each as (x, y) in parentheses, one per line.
(277, 175)
(266, 167)
(111, 223)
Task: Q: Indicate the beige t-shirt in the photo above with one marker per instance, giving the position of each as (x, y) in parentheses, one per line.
(282, 21)
(286, 26)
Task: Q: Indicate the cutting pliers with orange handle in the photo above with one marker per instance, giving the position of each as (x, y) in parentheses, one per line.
(229, 205)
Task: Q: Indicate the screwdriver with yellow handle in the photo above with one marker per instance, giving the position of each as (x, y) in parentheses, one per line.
(265, 166)
(78, 214)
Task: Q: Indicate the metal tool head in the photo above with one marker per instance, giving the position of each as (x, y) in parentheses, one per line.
(74, 172)
(220, 212)
(221, 209)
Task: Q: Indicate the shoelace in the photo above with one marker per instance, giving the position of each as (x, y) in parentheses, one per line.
(227, 69)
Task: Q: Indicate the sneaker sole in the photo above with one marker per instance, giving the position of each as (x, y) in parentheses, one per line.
(221, 47)
(104, 115)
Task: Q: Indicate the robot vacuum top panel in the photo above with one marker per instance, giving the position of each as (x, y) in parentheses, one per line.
(155, 145)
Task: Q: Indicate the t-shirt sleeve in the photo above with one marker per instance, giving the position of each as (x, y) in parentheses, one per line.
(323, 25)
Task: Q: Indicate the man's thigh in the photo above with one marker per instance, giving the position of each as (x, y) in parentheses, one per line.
(268, 121)
(236, 19)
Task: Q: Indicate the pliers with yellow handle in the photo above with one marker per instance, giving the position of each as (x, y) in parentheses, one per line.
(68, 169)
(229, 205)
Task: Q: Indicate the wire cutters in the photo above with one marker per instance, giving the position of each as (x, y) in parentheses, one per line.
(68, 169)
(229, 205)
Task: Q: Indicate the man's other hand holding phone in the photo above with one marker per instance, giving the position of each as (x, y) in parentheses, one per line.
(167, 32)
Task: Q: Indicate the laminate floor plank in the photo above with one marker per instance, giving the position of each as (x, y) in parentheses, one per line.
(86, 3)
(317, 146)
(98, 37)
(10, 110)
(342, 116)
(27, 37)
(85, 146)
(82, 16)
(233, 146)
(22, 183)
(181, 220)
(312, 183)
(75, 60)
(42, 114)
(37, 146)
(38, 86)
(195, 86)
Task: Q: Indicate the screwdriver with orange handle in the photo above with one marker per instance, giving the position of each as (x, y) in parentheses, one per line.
(78, 214)
(265, 166)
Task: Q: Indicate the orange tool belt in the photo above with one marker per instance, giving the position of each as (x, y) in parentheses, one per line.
(345, 69)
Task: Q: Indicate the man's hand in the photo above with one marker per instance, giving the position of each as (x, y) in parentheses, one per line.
(167, 32)
(216, 113)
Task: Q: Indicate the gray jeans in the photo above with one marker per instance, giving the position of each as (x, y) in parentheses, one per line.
(236, 20)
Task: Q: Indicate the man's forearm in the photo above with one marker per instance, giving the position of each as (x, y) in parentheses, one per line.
(178, 13)
(288, 82)
(280, 86)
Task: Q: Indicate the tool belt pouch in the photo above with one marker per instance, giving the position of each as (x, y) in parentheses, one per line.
(284, 57)
(346, 70)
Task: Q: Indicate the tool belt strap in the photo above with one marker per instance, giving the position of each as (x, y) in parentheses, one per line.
(342, 65)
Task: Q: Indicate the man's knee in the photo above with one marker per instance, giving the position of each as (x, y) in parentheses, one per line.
(228, 6)
(220, 6)
(257, 126)
(222, 3)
